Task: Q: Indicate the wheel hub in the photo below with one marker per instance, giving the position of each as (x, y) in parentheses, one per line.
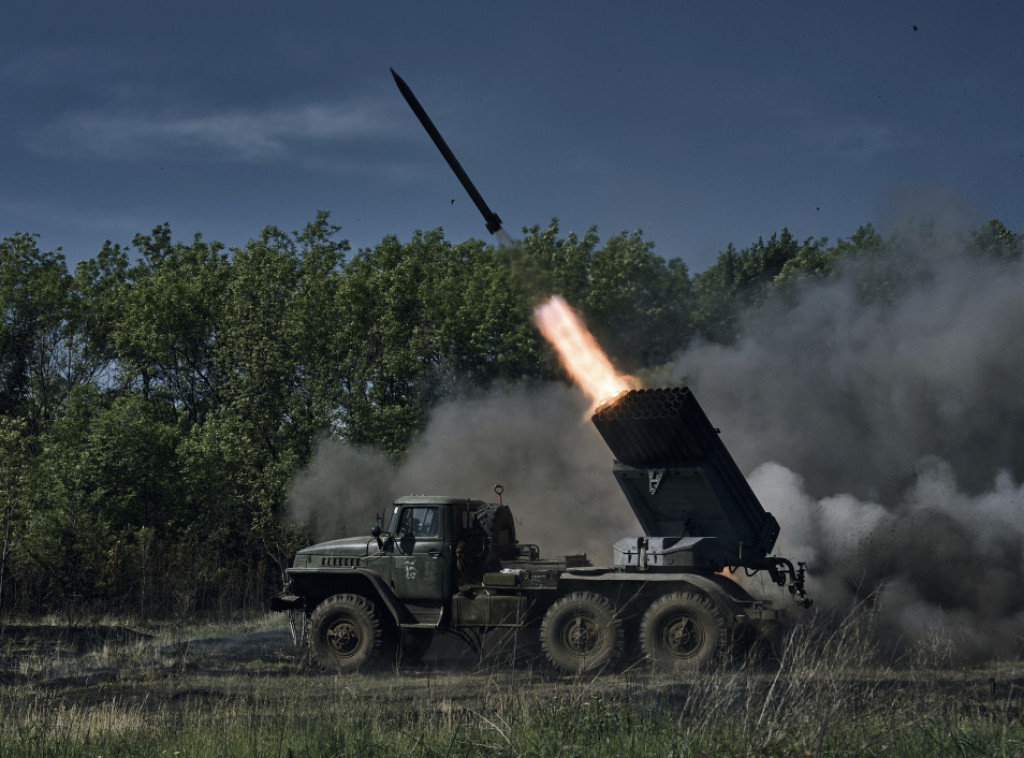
(683, 637)
(344, 638)
(581, 635)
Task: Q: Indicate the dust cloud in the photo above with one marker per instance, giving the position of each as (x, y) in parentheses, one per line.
(884, 433)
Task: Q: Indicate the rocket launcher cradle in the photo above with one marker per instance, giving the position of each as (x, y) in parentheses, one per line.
(692, 501)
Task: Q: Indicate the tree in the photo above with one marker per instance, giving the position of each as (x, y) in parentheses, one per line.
(168, 316)
(279, 389)
(715, 313)
(101, 285)
(489, 335)
(37, 359)
(548, 264)
(13, 458)
(421, 322)
(994, 241)
(62, 553)
(747, 279)
(639, 305)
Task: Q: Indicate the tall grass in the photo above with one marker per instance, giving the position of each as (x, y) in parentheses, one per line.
(828, 691)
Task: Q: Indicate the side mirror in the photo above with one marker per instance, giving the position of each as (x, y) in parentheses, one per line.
(376, 530)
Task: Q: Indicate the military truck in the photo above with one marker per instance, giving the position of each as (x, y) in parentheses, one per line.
(453, 565)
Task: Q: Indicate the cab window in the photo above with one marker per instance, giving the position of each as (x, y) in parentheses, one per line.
(419, 521)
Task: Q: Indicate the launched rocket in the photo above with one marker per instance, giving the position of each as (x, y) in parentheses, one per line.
(490, 217)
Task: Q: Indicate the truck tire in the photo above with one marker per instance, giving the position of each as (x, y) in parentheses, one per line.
(683, 631)
(581, 633)
(346, 633)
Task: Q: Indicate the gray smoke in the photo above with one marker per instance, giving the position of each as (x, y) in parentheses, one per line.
(342, 490)
(884, 434)
(534, 441)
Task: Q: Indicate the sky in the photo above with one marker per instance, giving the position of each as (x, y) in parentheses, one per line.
(700, 124)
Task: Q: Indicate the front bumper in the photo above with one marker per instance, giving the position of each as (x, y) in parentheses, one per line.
(286, 601)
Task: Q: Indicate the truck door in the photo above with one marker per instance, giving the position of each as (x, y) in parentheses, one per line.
(422, 562)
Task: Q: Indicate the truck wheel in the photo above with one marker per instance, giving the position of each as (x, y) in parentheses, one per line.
(346, 633)
(683, 631)
(581, 633)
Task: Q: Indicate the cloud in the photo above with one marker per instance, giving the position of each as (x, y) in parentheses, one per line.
(851, 136)
(231, 135)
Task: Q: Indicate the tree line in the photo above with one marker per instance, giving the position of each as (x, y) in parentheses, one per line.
(156, 402)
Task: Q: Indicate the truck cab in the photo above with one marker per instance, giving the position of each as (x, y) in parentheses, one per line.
(432, 545)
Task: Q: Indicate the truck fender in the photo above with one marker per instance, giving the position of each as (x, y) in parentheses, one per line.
(733, 612)
(731, 609)
(387, 597)
(364, 582)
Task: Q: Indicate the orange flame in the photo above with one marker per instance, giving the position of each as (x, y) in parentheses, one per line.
(579, 352)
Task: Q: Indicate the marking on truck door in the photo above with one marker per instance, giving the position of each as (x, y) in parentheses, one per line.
(410, 568)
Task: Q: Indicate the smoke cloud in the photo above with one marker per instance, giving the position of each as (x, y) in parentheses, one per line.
(342, 490)
(534, 441)
(884, 435)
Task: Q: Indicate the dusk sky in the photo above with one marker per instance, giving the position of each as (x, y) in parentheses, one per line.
(699, 123)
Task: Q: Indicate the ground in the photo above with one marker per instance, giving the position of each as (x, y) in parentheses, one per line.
(242, 689)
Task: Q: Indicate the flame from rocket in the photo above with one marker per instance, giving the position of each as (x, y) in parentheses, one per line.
(579, 353)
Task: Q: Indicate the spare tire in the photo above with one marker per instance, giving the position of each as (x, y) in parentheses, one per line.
(496, 521)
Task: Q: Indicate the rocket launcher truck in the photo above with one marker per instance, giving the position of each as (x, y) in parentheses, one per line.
(453, 565)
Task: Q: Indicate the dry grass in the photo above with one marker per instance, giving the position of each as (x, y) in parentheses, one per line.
(237, 689)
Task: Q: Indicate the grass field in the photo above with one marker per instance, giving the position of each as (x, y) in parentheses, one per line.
(240, 689)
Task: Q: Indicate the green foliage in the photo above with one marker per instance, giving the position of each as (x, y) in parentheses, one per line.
(741, 280)
(155, 405)
(552, 265)
(638, 305)
(423, 322)
(168, 317)
(36, 350)
(994, 241)
(13, 459)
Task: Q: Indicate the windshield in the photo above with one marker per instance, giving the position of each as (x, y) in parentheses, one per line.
(419, 521)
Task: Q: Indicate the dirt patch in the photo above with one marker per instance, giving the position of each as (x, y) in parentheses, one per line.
(76, 638)
(241, 648)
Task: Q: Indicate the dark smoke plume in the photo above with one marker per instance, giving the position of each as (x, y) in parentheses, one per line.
(884, 433)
